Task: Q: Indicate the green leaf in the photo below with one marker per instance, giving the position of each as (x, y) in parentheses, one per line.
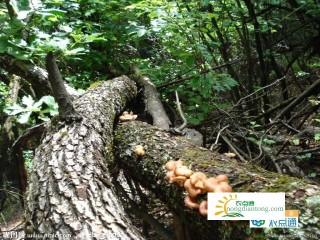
(296, 141)
(4, 44)
(141, 32)
(24, 117)
(304, 156)
(194, 121)
(44, 118)
(27, 101)
(268, 141)
(317, 136)
(312, 175)
(14, 109)
(252, 139)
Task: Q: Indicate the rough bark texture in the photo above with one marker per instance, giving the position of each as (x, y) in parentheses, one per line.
(161, 147)
(66, 109)
(69, 190)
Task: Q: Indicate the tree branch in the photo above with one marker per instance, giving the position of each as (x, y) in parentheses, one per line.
(66, 109)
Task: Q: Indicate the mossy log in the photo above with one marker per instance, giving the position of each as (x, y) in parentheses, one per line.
(160, 147)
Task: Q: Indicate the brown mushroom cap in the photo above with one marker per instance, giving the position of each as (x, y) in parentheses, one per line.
(180, 180)
(210, 184)
(203, 208)
(222, 178)
(127, 116)
(182, 171)
(170, 165)
(193, 191)
(197, 179)
(139, 150)
(191, 202)
(179, 163)
(223, 187)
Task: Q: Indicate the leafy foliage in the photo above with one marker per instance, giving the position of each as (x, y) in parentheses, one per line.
(29, 109)
(168, 41)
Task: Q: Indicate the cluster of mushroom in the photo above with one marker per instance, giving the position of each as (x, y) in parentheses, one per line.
(126, 116)
(195, 183)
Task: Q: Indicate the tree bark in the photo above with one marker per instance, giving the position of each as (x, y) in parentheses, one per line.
(69, 192)
(66, 109)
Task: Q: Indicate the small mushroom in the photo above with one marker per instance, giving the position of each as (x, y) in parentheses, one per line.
(203, 208)
(170, 175)
(191, 202)
(197, 179)
(222, 178)
(180, 180)
(183, 171)
(179, 163)
(193, 191)
(139, 150)
(210, 184)
(127, 116)
(223, 187)
(170, 165)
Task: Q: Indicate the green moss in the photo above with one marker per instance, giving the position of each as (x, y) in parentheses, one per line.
(64, 133)
(284, 183)
(94, 85)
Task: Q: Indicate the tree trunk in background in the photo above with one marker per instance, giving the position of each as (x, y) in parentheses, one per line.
(264, 75)
(69, 191)
(9, 173)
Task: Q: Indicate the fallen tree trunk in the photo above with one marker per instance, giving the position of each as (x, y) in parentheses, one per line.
(161, 147)
(70, 195)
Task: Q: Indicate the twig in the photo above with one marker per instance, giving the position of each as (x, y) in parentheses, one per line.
(310, 150)
(217, 138)
(184, 124)
(289, 127)
(260, 150)
(309, 91)
(260, 89)
(232, 148)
